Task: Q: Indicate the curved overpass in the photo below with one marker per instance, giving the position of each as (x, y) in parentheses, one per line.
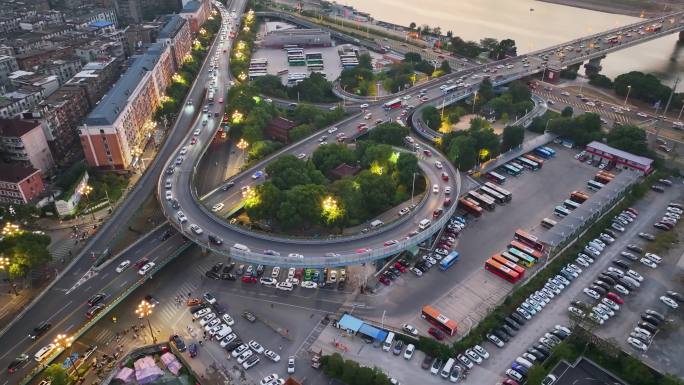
(339, 250)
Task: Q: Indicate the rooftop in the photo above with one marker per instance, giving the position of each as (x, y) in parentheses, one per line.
(621, 154)
(191, 7)
(16, 127)
(173, 24)
(583, 372)
(16, 173)
(115, 101)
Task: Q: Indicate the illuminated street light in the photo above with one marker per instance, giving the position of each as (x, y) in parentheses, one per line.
(242, 76)
(85, 190)
(4, 263)
(63, 341)
(331, 209)
(11, 229)
(236, 117)
(144, 310)
(242, 144)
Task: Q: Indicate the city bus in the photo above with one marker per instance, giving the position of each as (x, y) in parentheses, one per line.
(534, 159)
(483, 201)
(550, 150)
(510, 257)
(502, 271)
(528, 163)
(542, 152)
(507, 194)
(470, 207)
(611, 39)
(511, 170)
(288, 46)
(523, 259)
(578, 196)
(570, 205)
(528, 239)
(517, 268)
(528, 250)
(392, 104)
(449, 260)
(548, 223)
(561, 211)
(449, 89)
(496, 178)
(602, 178)
(210, 96)
(594, 185)
(439, 320)
(607, 174)
(500, 199)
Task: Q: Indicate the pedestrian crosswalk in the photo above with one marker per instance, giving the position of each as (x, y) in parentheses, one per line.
(578, 105)
(60, 249)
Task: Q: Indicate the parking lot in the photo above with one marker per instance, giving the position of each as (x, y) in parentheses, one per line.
(465, 292)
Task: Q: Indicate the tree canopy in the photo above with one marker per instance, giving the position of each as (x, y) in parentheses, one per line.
(629, 138)
(26, 252)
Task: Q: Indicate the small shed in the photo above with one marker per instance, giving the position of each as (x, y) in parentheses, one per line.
(279, 128)
(343, 170)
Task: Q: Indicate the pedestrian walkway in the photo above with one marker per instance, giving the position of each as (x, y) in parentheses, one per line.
(580, 106)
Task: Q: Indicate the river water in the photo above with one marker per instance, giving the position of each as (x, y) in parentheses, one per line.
(547, 25)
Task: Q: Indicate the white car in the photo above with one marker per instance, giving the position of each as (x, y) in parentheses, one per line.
(608, 302)
(641, 114)
(637, 344)
(364, 106)
(591, 293)
(266, 281)
(481, 351)
(181, 217)
(123, 266)
(201, 313)
(228, 339)
(168, 195)
(217, 207)
(184, 150)
(275, 272)
(291, 364)
(309, 285)
(196, 229)
(244, 356)
(575, 311)
(295, 255)
(408, 353)
(256, 346)
(228, 319)
(146, 268)
(438, 164)
(239, 350)
(332, 130)
(286, 286)
(410, 329)
(669, 301)
(648, 262)
(273, 356)
(495, 340)
(635, 275)
(435, 189)
(473, 356)
(301, 156)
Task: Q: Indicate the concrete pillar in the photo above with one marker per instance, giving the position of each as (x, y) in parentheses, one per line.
(552, 73)
(593, 66)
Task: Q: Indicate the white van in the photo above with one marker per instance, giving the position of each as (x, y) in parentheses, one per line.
(241, 247)
(424, 224)
(524, 362)
(387, 345)
(44, 352)
(446, 370)
(376, 223)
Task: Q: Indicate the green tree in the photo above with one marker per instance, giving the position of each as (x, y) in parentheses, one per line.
(57, 374)
(349, 371)
(305, 113)
(512, 137)
(407, 165)
(364, 376)
(346, 189)
(567, 112)
(301, 207)
(261, 148)
(462, 152)
(365, 62)
(300, 132)
(391, 133)
(329, 156)
(629, 138)
(267, 204)
(431, 117)
(445, 68)
(519, 91)
(489, 43)
(412, 57)
(377, 190)
(26, 252)
(379, 154)
(332, 365)
(486, 91)
(600, 81)
(287, 171)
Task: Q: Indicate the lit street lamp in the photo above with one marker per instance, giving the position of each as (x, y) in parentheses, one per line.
(629, 88)
(242, 145)
(11, 229)
(144, 310)
(64, 342)
(86, 190)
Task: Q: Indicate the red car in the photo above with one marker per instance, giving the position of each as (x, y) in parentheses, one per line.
(436, 333)
(221, 100)
(384, 280)
(615, 298)
(427, 152)
(142, 262)
(400, 267)
(437, 213)
(445, 177)
(193, 140)
(249, 279)
(508, 381)
(447, 202)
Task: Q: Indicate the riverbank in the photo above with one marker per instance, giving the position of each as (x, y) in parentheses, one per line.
(647, 8)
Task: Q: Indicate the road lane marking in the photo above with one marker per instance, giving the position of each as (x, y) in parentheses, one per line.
(104, 276)
(123, 284)
(60, 310)
(69, 327)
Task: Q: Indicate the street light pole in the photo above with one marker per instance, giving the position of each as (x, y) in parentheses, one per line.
(144, 310)
(629, 88)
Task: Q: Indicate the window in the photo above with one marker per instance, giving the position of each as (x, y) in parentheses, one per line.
(101, 131)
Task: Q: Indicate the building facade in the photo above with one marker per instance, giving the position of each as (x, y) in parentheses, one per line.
(176, 34)
(19, 184)
(118, 129)
(620, 159)
(196, 12)
(64, 69)
(23, 142)
(8, 64)
(96, 78)
(14, 103)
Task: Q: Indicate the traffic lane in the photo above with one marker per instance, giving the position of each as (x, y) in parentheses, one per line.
(650, 208)
(67, 317)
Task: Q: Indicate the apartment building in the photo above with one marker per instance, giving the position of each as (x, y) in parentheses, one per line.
(19, 184)
(23, 142)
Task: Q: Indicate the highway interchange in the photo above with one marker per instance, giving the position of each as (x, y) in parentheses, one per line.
(66, 311)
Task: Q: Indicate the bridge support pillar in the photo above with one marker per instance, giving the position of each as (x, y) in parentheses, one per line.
(593, 67)
(552, 75)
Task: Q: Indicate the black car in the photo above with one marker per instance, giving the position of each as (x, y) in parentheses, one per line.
(233, 345)
(341, 284)
(607, 279)
(40, 330)
(621, 263)
(539, 355)
(510, 322)
(602, 284)
(598, 289)
(17, 363)
(610, 232)
(217, 267)
(94, 300)
(228, 268)
(228, 277)
(655, 314)
(501, 334)
(674, 295)
(403, 262)
(613, 275)
(542, 349)
(215, 240)
(249, 316)
(648, 326)
(635, 248)
(227, 186)
(657, 188)
(178, 342)
(559, 333)
(509, 330)
(518, 318)
(427, 362)
(212, 275)
(199, 307)
(260, 270)
(166, 235)
(651, 319)
(175, 204)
